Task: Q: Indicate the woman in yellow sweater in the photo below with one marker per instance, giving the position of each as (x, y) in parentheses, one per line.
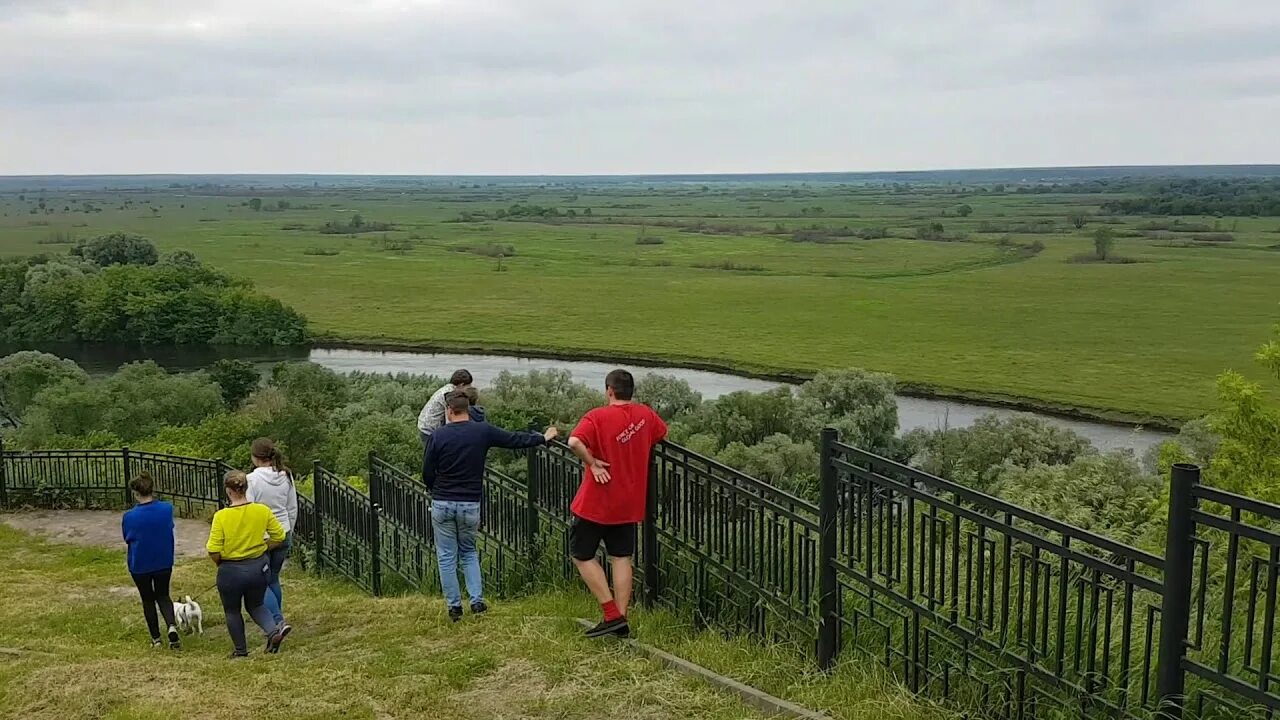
(237, 546)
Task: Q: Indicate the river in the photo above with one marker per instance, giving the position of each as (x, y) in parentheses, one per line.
(913, 412)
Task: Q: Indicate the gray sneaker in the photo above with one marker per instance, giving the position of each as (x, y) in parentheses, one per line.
(273, 642)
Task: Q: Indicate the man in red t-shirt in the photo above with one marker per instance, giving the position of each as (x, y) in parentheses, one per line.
(614, 442)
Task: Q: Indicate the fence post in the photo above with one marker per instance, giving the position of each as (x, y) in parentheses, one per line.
(532, 486)
(649, 537)
(828, 624)
(375, 536)
(126, 465)
(318, 505)
(1175, 609)
(223, 469)
(4, 478)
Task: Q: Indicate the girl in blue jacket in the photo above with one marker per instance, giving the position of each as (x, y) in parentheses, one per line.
(148, 531)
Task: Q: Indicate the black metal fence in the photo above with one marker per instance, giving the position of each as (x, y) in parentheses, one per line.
(1017, 615)
(996, 609)
(99, 479)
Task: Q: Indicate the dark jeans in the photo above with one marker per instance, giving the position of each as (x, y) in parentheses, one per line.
(244, 581)
(274, 599)
(153, 588)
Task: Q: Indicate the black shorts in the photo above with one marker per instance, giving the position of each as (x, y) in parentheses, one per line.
(585, 537)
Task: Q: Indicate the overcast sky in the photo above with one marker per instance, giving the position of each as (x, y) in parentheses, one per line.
(633, 86)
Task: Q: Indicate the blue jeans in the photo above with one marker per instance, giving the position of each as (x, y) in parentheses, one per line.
(274, 599)
(455, 525)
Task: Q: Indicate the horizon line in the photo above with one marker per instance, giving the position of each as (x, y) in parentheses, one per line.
(1008, 168)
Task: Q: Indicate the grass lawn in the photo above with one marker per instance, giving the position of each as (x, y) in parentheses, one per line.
(73, 645)
(1143, 339)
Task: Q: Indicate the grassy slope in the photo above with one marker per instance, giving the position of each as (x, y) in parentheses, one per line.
(1145, 339)
(82, 653)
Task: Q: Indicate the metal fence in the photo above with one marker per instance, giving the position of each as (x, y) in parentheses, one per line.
(99, 479)
(998, 610)
(1014, 614)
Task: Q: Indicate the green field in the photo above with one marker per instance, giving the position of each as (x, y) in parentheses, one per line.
(987, 316)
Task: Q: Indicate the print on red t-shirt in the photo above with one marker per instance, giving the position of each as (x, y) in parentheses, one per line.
(623, 436)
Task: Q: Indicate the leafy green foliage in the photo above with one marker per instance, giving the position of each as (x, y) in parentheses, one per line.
(1109, 494)
(136, 402)
(24, 374)
(117, 249)
(670, 397)
(1236, 196)
(1104, 239)
(178, 301)
(538, 399)
(236, 378)
(1247, 460)
(861, 405)
(778, 460)
(979, 454)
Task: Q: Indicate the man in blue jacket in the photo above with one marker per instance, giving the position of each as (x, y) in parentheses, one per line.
(453, 470)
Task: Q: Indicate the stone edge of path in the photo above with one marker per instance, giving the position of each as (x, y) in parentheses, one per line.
(754, 697)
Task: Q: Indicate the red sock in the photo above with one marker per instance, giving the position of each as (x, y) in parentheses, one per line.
(610, 611)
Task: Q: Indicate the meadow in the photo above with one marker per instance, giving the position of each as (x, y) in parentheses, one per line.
(994, 305)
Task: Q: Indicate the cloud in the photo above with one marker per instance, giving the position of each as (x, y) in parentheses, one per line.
(559, 86)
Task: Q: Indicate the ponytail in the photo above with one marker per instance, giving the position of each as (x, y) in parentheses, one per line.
(265, 450)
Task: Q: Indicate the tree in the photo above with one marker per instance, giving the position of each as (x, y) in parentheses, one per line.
(978, 454)
(964, 210)
(236, 378)
(669, 396)
(538, 399)
(309, 385)
(357, 221)
(932, 231)
(861, 405)
(24, 374)
(778, 460)
(117, 249)
(136, 402)
(180, 259)
(747, 418)
(1247, 460)
(1103, 241)
(255, 204)
(1078, 219)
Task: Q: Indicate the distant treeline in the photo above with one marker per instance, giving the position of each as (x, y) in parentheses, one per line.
(1204, 197)
(117, 288)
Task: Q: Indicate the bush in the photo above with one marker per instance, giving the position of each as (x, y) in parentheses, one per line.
(1108, 494)
(730, 266)
(492, 250)
(325, 252)
(649, 240)
(117, 249)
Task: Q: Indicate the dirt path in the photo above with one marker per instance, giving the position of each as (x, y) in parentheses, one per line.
(99, 529)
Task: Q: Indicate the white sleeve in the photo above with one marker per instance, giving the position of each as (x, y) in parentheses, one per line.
(291, 505)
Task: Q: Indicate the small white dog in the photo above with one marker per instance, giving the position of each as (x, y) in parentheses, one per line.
(188, 615)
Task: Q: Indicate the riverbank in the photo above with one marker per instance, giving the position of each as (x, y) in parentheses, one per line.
(926, 391)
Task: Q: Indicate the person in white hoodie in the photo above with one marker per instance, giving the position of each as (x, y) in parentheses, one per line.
(271, 483)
